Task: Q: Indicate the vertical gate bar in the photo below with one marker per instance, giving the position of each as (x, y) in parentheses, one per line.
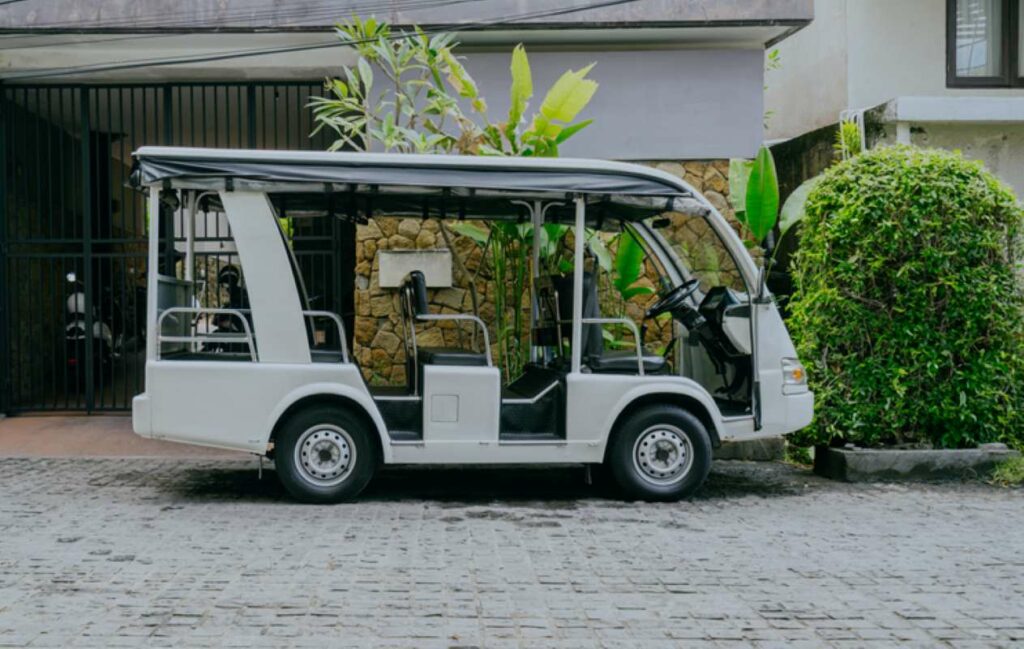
(84, 116)
(5, 373)
(251, 110)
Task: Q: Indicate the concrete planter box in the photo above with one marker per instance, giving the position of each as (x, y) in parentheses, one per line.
(757, 450)
(880, 465)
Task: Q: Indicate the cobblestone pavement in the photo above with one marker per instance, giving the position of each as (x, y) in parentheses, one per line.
(106, 553)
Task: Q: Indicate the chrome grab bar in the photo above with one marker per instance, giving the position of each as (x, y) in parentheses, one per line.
(197, 338)
(341, 329)
(632, 327)
(427, 317)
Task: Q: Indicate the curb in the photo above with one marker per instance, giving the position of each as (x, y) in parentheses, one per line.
(885, 465)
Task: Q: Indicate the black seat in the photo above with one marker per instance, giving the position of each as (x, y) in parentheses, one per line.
(624, 362)
(416, 286)
(449, 356)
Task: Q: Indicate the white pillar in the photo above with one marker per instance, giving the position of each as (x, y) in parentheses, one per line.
(152, 273)
(903, 132)
(577, 285)
(190, 235)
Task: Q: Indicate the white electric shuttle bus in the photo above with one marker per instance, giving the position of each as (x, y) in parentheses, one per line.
(257, 376)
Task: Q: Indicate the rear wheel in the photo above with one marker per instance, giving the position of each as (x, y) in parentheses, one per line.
(324, 454)
(660, 453)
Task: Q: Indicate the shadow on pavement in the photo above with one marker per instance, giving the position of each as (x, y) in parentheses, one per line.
(556, 487)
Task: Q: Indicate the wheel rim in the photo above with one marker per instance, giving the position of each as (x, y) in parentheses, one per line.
(325, 455)
(663, 455)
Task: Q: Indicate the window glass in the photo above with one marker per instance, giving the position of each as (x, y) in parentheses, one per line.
(700, 250)
(979, 26)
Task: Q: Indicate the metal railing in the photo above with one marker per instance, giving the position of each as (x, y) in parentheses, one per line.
(629, 325)
(334, 317)
(247, 338)
(436, 317)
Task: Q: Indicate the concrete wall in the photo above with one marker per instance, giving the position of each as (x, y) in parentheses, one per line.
(651, 105)
(1000, 147)
(809, 90)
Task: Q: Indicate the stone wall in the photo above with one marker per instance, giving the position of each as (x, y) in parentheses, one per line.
(378, 335)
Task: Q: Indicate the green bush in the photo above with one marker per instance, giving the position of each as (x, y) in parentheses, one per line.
(908, 304)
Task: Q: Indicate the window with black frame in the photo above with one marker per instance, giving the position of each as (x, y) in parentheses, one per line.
(983, 43)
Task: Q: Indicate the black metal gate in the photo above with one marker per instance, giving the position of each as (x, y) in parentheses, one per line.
(71, 230)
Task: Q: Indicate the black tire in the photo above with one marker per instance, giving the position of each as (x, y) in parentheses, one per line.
(653, 433)
(345, 455)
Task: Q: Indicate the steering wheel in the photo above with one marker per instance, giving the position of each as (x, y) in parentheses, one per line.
(673, 299)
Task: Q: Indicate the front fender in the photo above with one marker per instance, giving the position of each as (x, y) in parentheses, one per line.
(360, 397)
(681, 387)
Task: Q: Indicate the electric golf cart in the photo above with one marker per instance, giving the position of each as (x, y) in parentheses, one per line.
(268, 373)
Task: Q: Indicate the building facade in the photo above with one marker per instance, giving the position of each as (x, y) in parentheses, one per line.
(943, 73)
(85, 82)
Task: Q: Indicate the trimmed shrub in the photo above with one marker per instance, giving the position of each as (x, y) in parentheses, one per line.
(908, 306)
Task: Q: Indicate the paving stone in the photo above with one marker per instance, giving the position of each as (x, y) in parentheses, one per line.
(199, 553)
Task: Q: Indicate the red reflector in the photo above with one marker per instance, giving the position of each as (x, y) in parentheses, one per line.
(72, 361)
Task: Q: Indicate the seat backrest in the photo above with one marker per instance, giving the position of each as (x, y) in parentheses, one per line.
(416, 286)
(593, 342)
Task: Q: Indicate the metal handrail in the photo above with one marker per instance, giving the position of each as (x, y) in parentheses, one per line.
(198, 338)
(341, 328)
(632, 327)
(466, 317)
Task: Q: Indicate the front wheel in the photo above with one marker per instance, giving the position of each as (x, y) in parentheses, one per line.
(660, 453)
(324, 454)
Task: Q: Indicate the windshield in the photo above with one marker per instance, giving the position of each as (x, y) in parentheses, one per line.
(699, 250)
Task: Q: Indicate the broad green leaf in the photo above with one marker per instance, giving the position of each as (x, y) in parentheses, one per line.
(571, 130)
(522, 86)
(629, 263)
(600, 251)
(793, 208)
(570, 94)
(739, 174)
(762, 195)
(563, 102)
(633, 291)
(366, 74)
(475, 232)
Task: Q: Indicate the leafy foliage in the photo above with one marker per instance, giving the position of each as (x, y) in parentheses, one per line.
(908, 307)
(847, 142)
(420, 104)
(1010, 472)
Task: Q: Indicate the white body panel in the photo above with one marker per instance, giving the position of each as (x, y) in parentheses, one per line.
(276, 311)
(461, 404)
(235, 405)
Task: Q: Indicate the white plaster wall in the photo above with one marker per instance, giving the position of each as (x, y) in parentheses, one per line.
(1000, 147)
(809, 90)
(859, 54)
(898, 47)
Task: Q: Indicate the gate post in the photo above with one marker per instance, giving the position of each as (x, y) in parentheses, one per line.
(5, 338)
(87, 279)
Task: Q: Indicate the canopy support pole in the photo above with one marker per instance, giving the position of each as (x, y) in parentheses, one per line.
(153, 273)
(190, 236)
(577, 285)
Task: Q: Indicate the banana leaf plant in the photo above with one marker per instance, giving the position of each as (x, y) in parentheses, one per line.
(410, 93)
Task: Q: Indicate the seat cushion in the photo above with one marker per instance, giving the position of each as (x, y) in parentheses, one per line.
(449, 356)
(624, 362)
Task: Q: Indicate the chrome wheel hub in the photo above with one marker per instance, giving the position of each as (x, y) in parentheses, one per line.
(663, 455)
(325, 455)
